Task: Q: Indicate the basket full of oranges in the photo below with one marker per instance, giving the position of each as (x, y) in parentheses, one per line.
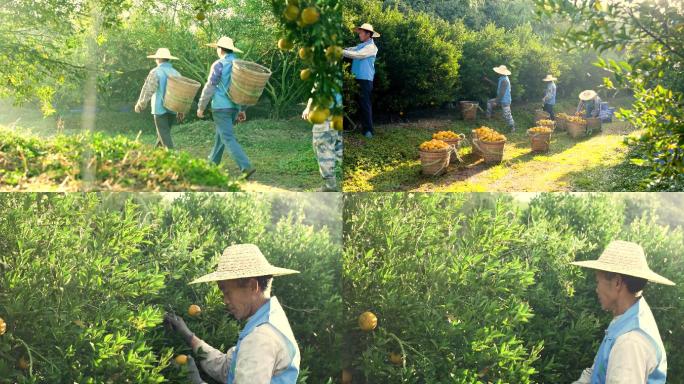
(434, 157)
(488, 144)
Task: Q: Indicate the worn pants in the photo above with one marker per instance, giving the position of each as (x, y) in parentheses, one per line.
(224, 121)
(549, 108)
(506, 108)
(327, 144)
(365, 104)
(164, 123)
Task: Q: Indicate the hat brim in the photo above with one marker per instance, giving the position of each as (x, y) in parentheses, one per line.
(648, 275)
(221, 276)
(160, 57)
(587, 97)
(234, 49)
(501, 72)
(374, 34)
(549, 79)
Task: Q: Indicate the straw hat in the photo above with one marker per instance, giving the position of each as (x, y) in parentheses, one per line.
(549, 78)
(226, 43)
(241, 261)
(587, 95)
(369, 28)
(162, 53)
(502, 70)
(625, 258)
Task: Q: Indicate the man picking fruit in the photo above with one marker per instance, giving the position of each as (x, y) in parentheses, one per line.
(266, 350)
(363, 68)
(224, 110)
(327, 142)
(631, 351)
(154, 89)
(503, 96)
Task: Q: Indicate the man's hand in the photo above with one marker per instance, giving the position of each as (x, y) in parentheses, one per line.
(177, 324)
(242, 116)
(305, 114)
(180, 117)
(200, 113)
(193, 372)
(137, 108)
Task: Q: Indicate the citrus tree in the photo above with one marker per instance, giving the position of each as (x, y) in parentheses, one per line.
(86, 279)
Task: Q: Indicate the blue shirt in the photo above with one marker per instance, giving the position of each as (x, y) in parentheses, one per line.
(220, 77)
(550, 96)
(503, 90)
(364, 69)
(163, 71)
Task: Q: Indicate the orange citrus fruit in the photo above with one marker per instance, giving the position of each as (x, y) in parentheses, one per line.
(181, 359)
(3, 326)
(285, 44)
(319, 115)
(291, 12)
(305, 53)
(338, 122)
(23, 363)
(305, 74)
(368, 321)
(200, 16)
(333, 53)
(396, 358)
(310, 15)
(194, 310)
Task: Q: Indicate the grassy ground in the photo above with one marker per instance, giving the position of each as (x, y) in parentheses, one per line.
(280, 150)
(390, 161)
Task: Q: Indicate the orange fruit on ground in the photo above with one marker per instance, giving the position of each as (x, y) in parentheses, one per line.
(310, 15)
(305, 74)
(346, 376)
(194, 310)
(3, 326)
(291, 12)
(368, 321)
(396, 358)
(23, 363)
(285, 44)
(181, 359)
(319, 115)
(338, 122)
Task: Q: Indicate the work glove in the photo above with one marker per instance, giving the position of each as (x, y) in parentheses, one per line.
(177, 325)
(193, 372)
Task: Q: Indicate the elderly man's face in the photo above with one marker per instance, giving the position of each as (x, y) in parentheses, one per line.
(241, 301)
(607, 291)
(364, 35)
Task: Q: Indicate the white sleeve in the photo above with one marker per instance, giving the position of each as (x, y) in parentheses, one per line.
(216, 363)
(369, 50)
(631, 360)
(262, 354)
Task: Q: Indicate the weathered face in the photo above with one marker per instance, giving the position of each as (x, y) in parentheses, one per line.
(364, 35)
(607, 291)
(239, 300)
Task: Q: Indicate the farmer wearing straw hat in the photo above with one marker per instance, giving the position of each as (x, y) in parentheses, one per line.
(155, 89)
(327, 144)
(503, 96)
(266, 350)
(549, 99)
(590, 102)
(632, 351)
(363, 68)
(224, 110)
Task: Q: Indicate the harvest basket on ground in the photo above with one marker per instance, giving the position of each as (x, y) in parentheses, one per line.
(562, 121)
(593, 125)
(453, 139)
(546, 123)
(540, 115)
(576, 126)
(180, 93)
(469, 109)
(434, 157)
(489, 144)
(248, 81)
(540, 138)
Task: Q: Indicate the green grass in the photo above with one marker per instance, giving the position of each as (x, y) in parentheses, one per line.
(390, 161)
(280, 149)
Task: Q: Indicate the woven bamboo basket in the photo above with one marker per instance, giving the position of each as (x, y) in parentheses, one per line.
(475, 150)
(180, 93)
(492, 152)
(561, 124)
(551, 125)
(541, 115)
(469, 109)
(593, 124)
(247, 82)
(576, 130)
(539, 141)
(435, 162)
(455, 144)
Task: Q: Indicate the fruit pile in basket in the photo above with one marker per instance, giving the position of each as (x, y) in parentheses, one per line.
(576, 119)
(546, 123)
(446, 135)
(563, 116)
(541, 129)
(489, 135)
(434, 146)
